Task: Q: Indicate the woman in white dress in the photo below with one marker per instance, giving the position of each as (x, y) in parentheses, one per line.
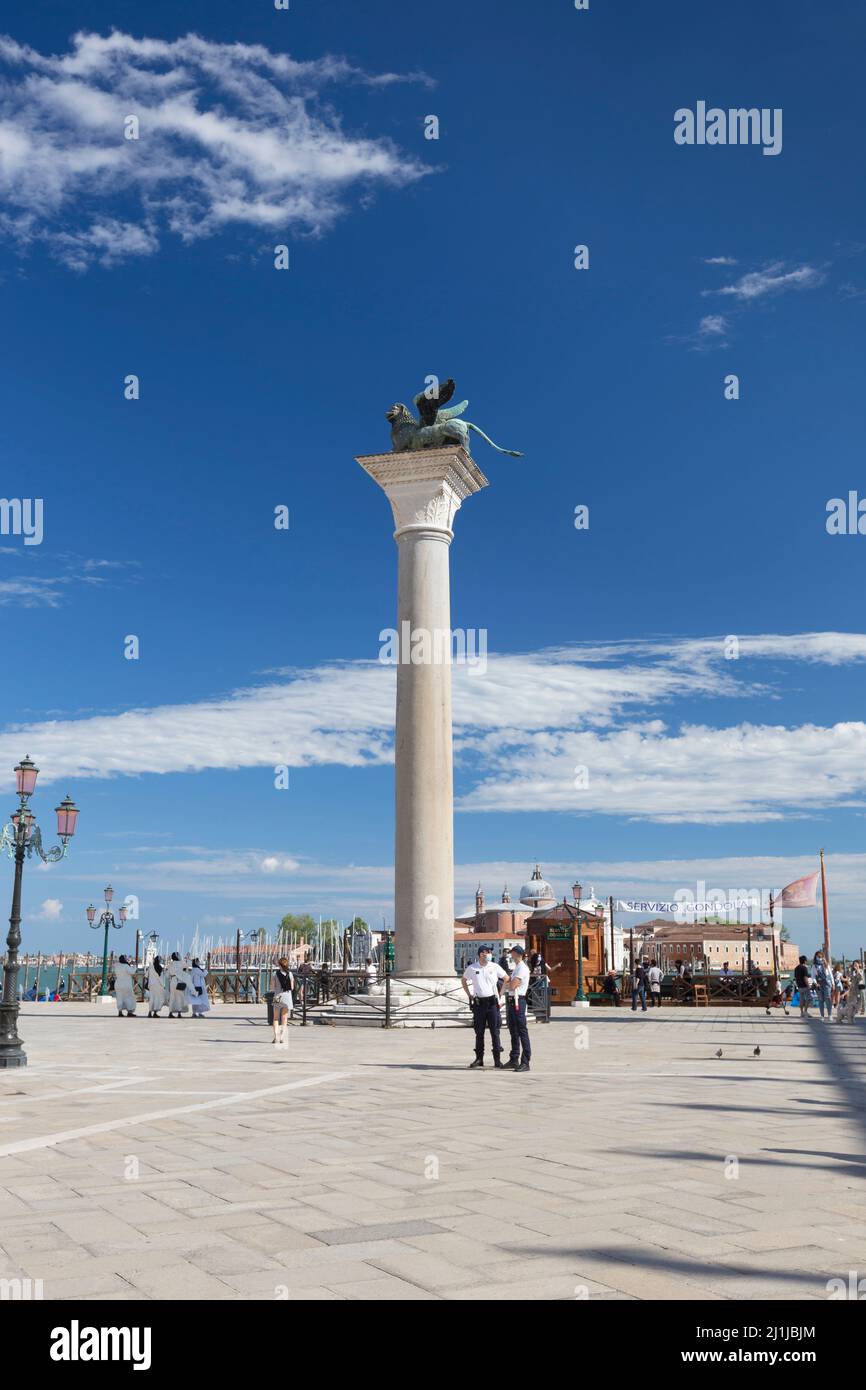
(124, 987)
(282, 984)
(178, 986)
(200, 1002)
(156, 997)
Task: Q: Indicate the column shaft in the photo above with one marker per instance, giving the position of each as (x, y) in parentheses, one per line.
(424, 835)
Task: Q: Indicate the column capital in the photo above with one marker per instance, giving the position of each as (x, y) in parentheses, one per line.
(426, 486)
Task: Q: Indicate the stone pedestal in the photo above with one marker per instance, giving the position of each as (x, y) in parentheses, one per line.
(425, 490)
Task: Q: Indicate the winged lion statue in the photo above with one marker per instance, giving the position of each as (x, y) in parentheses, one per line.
(437, 427)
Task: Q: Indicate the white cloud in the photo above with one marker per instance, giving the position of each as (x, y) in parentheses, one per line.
(720, 260)
(50, 591)
(273, 865)
(773, 279)
(521, 728)
(229, 133)
(697, 774)
(713, 325)
(51, 910)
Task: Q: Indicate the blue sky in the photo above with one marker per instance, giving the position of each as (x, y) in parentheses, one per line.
(258, 388)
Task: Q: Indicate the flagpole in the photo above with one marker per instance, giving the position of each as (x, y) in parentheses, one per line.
(826, 917)
(776, 964)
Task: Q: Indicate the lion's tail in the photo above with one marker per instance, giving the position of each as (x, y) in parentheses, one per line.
(512, 453)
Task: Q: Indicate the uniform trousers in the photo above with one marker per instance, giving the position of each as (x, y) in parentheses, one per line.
(515, 1013)
(485, 1013)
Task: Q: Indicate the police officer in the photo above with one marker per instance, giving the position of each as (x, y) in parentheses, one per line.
(515, 1013)
(484, 976)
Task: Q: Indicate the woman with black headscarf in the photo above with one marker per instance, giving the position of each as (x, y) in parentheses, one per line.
(156, 996)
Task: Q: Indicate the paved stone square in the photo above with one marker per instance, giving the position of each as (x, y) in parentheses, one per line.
(144, 1159)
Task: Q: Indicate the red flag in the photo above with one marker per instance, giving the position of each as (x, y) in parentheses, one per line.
(801, 893)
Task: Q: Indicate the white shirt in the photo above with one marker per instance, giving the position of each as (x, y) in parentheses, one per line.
(484, 978)
(521, 974)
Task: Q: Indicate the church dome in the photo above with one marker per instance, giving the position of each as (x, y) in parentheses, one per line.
(537, 892)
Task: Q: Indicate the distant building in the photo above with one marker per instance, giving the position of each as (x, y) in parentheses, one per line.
(503, 924)
(703, 944)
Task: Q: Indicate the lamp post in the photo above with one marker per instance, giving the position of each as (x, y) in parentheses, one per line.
(140, 937)
(580, 997)
(106, 922)
(21, 838)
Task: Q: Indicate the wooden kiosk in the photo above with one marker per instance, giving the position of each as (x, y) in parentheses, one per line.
(554, 932)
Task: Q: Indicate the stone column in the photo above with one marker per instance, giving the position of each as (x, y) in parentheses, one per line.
(425, 490)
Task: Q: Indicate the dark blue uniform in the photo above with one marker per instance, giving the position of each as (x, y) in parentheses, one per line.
(485, 1005)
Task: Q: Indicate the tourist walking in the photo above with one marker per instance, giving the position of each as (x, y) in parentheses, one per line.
(155, 991)
(803, 981)
(822, 974)
(484, 975)
(283, 985)
(371, 974)
(639, 983)
(198, 992)
(178, 986)
(124, 987)
(515, 1012)
(654, 975)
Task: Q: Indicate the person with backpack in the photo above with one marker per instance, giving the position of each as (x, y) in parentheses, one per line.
(803, 981)
(282, 984)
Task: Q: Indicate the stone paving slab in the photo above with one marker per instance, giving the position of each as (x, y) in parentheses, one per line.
(631, 1163)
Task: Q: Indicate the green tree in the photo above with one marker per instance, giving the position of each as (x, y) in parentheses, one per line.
(294, 927)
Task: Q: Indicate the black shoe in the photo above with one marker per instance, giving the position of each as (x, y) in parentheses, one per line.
(509, 1066)
(498, 1066)
(524, 1066)
(477, 1063)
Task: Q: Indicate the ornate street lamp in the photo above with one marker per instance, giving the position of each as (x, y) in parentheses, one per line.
(105, 923)
(580, 997)
(21, 838)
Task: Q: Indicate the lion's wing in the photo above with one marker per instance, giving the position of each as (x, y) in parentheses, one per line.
(453, 412)
(428, 406)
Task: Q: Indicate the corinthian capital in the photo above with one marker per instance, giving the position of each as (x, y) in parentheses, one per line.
(425, 487)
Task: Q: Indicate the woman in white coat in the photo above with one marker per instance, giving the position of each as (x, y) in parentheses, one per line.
(124, 987)
(178, 986)
(200, 1002)
(156, 996)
